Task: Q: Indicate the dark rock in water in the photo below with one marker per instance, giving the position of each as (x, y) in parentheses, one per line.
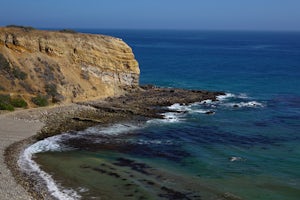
(141, 103)
(85, 166)
(129, 185)
(139, 167)
(109, 173)
(172, 194)
(235, 106)
(129, 195)
(210, 112)
(147, 87)
(150, 183)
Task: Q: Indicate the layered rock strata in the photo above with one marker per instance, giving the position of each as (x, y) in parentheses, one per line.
(64, 66)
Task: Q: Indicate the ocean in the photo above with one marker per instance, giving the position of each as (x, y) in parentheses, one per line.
(248, 149)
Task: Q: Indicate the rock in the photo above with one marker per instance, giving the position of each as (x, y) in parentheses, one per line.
(77, 66)
(210, 112)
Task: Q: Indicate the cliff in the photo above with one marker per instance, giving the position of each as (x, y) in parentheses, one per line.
(64, 66)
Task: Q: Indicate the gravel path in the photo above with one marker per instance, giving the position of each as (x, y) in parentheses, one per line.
(13, 130)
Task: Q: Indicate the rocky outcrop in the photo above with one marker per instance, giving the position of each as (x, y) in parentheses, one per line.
(64, 66)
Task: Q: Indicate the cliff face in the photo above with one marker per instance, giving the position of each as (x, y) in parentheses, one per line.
(65, 66)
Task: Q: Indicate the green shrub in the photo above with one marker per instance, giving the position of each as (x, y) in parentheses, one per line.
(8, 103)
(4, 106)
(18, 102)
(5, 102)
(40, 100)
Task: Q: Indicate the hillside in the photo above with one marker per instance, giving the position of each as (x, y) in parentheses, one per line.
(64, 66)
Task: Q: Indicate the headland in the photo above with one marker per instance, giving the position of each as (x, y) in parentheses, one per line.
(87, 79)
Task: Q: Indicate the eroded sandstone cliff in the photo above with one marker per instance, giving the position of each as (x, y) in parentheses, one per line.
(64, 66)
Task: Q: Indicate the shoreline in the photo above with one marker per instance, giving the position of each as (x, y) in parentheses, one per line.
(11, 131)
(147, 103)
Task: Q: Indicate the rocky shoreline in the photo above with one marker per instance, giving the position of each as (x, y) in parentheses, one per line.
(139, 104)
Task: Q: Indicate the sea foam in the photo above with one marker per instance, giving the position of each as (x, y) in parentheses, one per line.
(27, 164)
(113, 130)
(54, 144)
(178, 107)
(209, 107)
(250, 104)
(225, 97)
(191, 108)
(229, 96)
(171, 117)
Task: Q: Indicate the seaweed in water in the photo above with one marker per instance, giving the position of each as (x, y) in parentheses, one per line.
(139, 167)
(172, 194)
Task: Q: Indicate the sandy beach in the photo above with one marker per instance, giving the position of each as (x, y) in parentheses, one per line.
(15, 127)
(12, 130)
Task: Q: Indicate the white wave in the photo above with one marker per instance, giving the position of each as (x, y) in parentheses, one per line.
(235, 158)
(48, 144)
(243, 96)
(209, 107)
(208, 112)
(168, 117)
(200, 111)
(53, 144)
(171, 117)
(191, 108)
(113, 130)
(182, 110)
(179, 107)
(231, 95)
(208, 101)
(26, 163)
(253, 104)
(225, 97)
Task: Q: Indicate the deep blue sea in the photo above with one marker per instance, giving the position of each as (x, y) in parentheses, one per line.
(249, 149)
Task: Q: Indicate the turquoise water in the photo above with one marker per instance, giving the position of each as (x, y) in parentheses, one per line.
(249, 149)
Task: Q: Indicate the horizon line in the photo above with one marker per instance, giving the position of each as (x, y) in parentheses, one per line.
(170, 29)
(158, 29)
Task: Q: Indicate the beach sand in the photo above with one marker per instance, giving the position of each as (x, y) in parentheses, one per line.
(15, 127)
(12, 130)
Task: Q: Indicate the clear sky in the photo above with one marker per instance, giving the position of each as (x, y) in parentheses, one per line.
(154, 14)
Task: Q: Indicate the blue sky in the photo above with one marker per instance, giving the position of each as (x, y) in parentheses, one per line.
(154, 14)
